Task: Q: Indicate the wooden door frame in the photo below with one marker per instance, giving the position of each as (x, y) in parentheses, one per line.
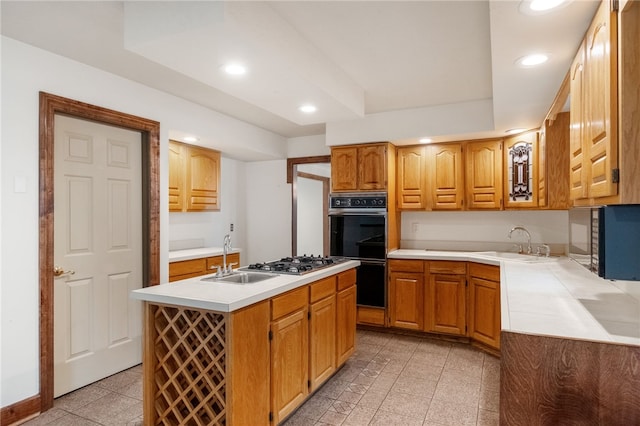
(50, 105)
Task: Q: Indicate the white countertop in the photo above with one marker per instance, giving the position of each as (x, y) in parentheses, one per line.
(226, 297)
(554, 297)
(197, 253)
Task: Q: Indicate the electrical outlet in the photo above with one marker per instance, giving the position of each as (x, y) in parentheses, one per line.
(231, 228)
(414, 227)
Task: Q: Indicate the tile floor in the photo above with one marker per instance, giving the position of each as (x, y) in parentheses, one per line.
(390, 380)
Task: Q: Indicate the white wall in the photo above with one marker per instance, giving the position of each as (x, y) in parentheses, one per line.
(269, 206)
(25, 72)
(479, 230)
(310, 216)
(307, 146)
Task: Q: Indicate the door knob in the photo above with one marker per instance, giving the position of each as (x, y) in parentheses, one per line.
(58, 272)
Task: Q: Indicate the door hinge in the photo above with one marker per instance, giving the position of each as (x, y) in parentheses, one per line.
(309, 315)
(309, 384)
(615, 175)
(270, 416)
(615, 5)
(465, 329)
(270, 335)
(466, 283)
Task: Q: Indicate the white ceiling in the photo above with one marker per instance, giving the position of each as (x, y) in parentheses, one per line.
(350, 58)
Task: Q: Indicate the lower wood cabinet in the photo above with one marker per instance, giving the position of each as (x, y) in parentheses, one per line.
(484, 304)
(406, 294)
(446, 297)
(289, 362)
(322, 331)
(345, 316)
(183, 269)
(313, 332)
(445, 306)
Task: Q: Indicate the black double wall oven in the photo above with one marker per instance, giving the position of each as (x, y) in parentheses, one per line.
(358, 227)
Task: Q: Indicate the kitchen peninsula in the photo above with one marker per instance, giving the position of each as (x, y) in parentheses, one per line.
(214, 352)
(569, 340)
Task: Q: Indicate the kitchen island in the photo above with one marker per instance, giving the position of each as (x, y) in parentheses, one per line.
(237, 354)
(570, 341)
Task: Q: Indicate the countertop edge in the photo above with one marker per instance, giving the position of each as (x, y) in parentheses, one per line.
(177, 292)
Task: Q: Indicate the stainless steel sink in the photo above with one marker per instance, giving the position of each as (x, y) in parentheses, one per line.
(519, 257)
(241, 278)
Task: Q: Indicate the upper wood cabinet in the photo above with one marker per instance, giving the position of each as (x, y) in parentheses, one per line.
(359, 168)
(194, 178)
(553, 163)
(430, 177)
(445, 176)
(483, 177)
(521, 170)
(594, 120)
(412, 188)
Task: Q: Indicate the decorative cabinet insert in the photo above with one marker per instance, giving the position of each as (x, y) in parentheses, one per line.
(194, 178)
(360, 167)
(521, 170)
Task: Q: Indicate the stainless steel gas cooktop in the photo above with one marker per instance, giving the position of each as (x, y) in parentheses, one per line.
(296, 265)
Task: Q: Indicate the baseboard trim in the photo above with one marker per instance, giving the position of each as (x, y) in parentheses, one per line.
(20, 412)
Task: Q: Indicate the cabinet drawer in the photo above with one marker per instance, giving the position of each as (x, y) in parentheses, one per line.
(447, 267)
(187, 267)
(322, 288)
(397, 265)
(346, 279)
(488, 272)
(289, 302)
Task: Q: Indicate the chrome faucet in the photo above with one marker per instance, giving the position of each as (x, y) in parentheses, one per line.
(226, 246)
(523, 229)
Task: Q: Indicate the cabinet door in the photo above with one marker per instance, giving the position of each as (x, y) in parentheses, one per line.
(484, 175)
(521, 174)
(446, 185)
(372, 168)
(346, 324)
(406, 295)
(289, 363)
(484, 312)
(445, 304)
(411, 178)
(176, 176)
(203, 183)
(601, 102)
(344, 169)
(577, 174)
(322, 337)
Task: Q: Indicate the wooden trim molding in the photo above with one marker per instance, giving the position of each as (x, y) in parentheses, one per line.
(304, 160)
(50, 105)
(20, 411)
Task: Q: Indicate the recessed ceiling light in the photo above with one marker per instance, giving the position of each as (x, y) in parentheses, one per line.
(425, 140)
(513, 131)
(235, 69)
(532, 60)
(190, 139)
(308, 108)
(540, 5)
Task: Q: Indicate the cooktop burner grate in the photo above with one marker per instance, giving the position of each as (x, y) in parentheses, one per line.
(296, 265)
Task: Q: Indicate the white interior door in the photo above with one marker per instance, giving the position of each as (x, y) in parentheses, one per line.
(98, 236)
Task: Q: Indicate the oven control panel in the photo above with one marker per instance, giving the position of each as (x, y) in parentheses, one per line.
(359, 201)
